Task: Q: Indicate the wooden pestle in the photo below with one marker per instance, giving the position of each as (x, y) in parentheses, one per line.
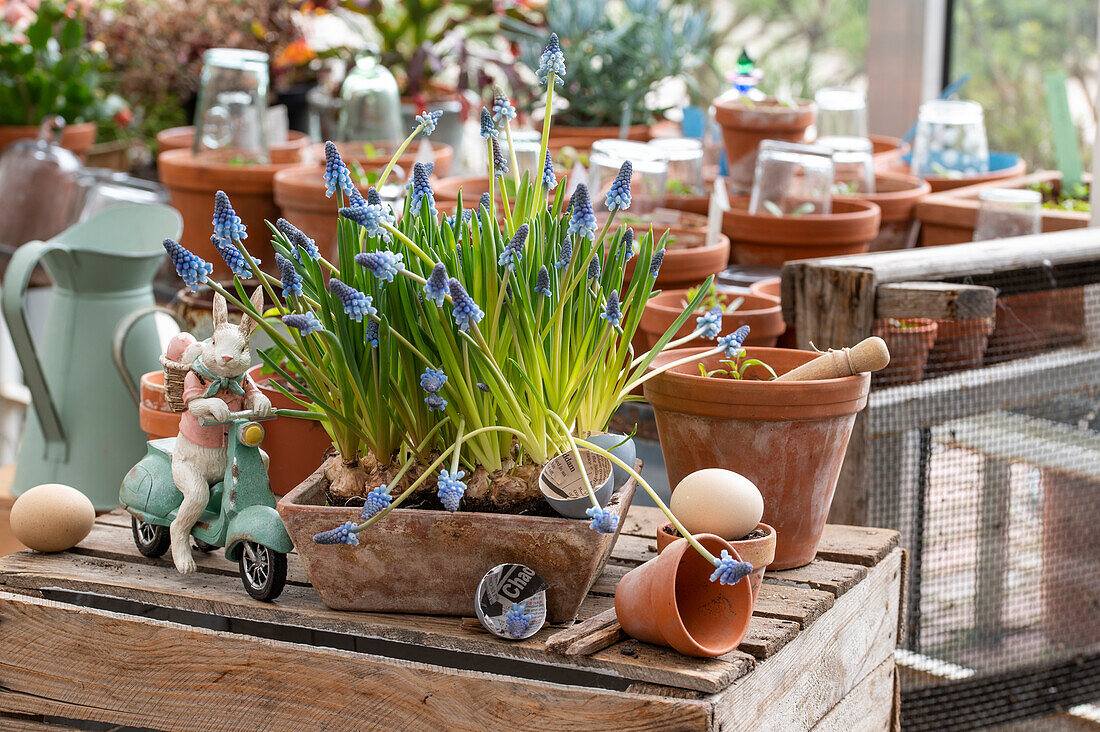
(870, 354)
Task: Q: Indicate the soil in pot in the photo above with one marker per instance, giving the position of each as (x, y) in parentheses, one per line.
(746, 123)
(896, 195)
(426, 561)
(77, 137)
(765, 239)
(909, 341)
(670, 601)
(960, 345)
(757, 548)
(788, 438)
(761, 313)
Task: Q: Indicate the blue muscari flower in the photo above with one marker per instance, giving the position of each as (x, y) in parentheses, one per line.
(485, 203)
(655, 263)
(603, 521)
(421, 187)
(382, 264)
(370, 218)
(340, 535)
(618, 195)
(513, 252)
(548, 178)
(435, 403)
(292, 281)
(613, 314)
(191, 268)
(731, 343)
(542, 283)
(373, 197)
(356, 304)
(428, 121)
(451, 488)
(709, 323)
(502, 108)
(628, 244)
(375, 501)
(466, 310)
(297, 239)
(500, 163)
(566, 254)
(594, 267)
(518, 621)
(483, 386)
(233, 257)
(372, 333)
(582, 221)
(432, 380)
(488, 129)
(552, 61)
(355, 198)
(227, 224)
(730, 571)
(336, 173)
(305, 322)
(436, 286)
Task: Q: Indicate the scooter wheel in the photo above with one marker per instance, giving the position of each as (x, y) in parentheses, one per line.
(151, 540)
(263, 571)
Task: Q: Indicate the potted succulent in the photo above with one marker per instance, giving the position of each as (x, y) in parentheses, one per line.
(50, 67)
(449, 357)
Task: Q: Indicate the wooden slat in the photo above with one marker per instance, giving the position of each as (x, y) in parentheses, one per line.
(820, 574)
(935, 300)
(856, 544)
(767, 635)
(207, 680)
(868, 707)
(799, 605)
(594, 634)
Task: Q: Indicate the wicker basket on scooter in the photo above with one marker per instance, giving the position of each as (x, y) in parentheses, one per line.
(174, 374)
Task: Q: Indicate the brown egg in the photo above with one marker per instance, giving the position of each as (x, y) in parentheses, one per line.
(52, 517)
(717, 501)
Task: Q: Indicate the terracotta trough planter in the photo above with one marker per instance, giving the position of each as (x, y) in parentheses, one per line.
(897, 196)
(789, 438)
(758, 551)
(744, 126)
(772, 240)
(430, 562)
(762, 314)
(78, 137)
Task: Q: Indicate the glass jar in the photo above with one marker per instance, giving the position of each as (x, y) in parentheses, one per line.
(649, 174)
(1008, 212)
(370, 105)
(792, 179)
(841, 112)
(950, 140)
(231, 113)
(853, 164)
(685, 164)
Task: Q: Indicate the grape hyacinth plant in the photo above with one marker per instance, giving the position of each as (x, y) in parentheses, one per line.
(454, 354)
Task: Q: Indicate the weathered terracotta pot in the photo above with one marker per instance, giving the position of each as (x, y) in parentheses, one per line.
(759, 552)
(670, 601)
(1023, 326)
(1013, 168)
(761, 313)
(156, 418)
(294, 445)
(300, 196)
(909, 344)
(192, 181)
(291, 151)
(896, 195)
(744, 126)
(78, 137)
(688, 261)
(356, 152)
(960, 345)
(887, 152)
(787, 437)
(420, 561)
(582, 138)
(773, 240)
(773, 287)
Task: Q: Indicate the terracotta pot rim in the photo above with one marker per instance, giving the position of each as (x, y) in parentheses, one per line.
(758, 287)
(660, 303)
(852, 210)
(926, 325)
(172, 164)
(760, 352)
(855, 222)
(895, 205)
(669, 530)
(732, 113)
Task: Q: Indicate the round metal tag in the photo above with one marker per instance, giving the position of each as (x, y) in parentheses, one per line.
(511, 601)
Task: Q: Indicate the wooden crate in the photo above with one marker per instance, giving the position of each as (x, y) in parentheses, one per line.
(101, 633)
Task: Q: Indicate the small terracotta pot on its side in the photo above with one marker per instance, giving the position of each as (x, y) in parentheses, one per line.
(688, 260)
(670, 601)
(896, 195)
(291, 151)
(790, 437)
(761, 313)
(772, 240)
(77, 137)
(295, 446)
(356, 151)
(156, 418)
(759, 551)
(960, 345)
(745, 125)
(909, 341)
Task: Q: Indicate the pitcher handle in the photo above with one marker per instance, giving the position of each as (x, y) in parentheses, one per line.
(118, 343)
(12, 295)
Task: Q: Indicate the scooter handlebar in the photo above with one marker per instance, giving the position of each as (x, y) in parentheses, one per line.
(246, 414)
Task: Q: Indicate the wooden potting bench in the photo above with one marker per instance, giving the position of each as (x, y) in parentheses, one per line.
(101, 636)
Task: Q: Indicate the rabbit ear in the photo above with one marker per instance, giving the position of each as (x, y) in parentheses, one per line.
(221, 312)
(247, 323)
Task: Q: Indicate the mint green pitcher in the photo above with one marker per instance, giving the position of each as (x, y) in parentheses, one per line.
(83, 428)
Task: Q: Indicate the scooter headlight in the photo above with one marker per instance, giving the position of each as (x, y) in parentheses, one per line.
(252, 434)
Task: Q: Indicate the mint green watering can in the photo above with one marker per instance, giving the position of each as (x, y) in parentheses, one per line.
(83, 428)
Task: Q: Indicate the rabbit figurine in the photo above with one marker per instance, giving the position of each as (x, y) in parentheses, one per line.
(217, 384)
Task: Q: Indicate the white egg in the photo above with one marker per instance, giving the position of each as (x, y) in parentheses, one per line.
(52, 517)
(717, 501)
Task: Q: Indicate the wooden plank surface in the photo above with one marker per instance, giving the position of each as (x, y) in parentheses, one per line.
(868, 707)
(935, 300)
